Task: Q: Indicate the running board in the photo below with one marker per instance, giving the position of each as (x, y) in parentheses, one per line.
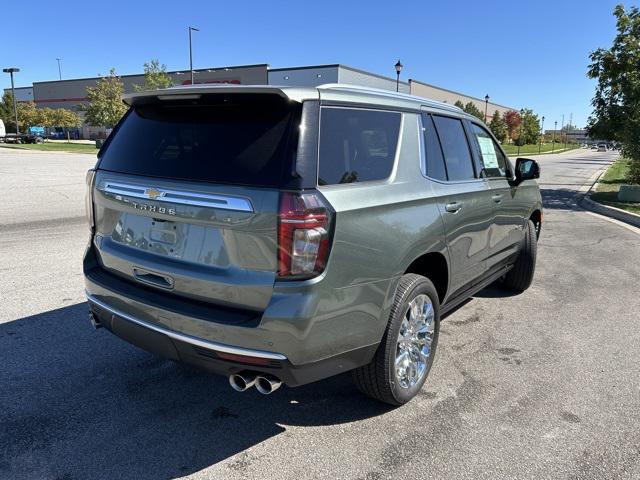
(466, 294)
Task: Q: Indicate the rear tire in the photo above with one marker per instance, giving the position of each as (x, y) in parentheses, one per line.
(520, 276)
(380, 378)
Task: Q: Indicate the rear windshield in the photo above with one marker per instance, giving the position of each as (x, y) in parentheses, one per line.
(240, 139)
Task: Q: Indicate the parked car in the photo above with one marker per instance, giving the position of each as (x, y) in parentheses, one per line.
(602, 147)
(285, 235)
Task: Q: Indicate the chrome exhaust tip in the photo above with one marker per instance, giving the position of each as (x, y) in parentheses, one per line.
(242, 381)
(267, 385)
(94, 321)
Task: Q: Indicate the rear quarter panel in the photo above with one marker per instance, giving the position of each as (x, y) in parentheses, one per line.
(381, 227)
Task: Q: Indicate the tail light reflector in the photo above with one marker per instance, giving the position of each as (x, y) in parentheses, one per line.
(304, 229)
(88, 198)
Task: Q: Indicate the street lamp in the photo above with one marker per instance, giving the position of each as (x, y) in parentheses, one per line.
(59, 69)
(398, 66)
(11, 71)
(553, 142)
(541, 135)
(520, 135)
(191, 52)
(486, 105)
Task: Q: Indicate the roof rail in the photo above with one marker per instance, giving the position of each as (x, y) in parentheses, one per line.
(390, 94)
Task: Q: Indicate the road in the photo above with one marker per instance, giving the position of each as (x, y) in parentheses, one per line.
(540, 385)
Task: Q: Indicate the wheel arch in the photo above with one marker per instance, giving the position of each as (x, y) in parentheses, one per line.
(536, 218)
(435, 267)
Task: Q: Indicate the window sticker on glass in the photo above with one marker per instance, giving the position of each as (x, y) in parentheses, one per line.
(488, 150)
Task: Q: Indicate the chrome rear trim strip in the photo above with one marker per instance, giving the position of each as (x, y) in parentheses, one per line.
(225, 202)
(199, 342)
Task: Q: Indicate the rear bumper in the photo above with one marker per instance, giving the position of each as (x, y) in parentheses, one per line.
(216, 357)
(294, 339)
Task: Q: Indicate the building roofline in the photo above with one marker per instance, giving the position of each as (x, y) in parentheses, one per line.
(458, 93)
(235, 67)
(305, 67)
(338, 65)
(357, 70)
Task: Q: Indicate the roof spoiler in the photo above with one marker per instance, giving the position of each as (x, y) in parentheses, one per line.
(196, 91)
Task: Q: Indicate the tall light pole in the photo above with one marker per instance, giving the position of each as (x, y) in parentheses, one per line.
(566, 135)
(541, 135)
(486, 105)
(520, 136)
(398, 66)
(11, 71)
(553, 142)
(191, 52)
(59, 69)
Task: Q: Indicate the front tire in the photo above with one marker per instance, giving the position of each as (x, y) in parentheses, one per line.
(405, 354)
(520, 276)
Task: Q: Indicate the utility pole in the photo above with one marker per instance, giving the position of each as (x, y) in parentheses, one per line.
(553, 142)
(520, 135)
(59, 69)
(561, 127)
(191, 52)
(566, 135)
(11, 71)
(541, 136)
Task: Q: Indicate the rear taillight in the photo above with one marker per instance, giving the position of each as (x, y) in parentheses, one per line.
(88, 198)
(304, 231)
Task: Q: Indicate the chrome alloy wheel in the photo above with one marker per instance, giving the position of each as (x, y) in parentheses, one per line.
(414, 341)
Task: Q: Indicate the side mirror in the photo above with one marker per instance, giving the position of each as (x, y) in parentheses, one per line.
(526, 169)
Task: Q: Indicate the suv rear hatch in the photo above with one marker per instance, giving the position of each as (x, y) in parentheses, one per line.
(186, 194)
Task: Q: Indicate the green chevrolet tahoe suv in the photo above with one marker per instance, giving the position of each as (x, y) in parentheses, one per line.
(285, 235)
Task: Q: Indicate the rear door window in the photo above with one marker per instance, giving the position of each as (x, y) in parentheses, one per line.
(356, 145)
(238, 139)
(455, 147)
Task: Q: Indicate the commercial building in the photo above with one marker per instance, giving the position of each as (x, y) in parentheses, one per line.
(576, 135)
(23, 94)
(312, 76)
(425, 90)
(73, 92)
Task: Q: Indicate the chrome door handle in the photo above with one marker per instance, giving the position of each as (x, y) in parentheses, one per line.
(453, 207)
(497, 197)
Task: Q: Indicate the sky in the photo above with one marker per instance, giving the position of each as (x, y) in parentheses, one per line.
(527, 53)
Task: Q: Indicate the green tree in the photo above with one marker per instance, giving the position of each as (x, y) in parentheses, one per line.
(498, 126)
(530, 127)
(28, 115)
(6, 111)
(155, 76)
(471, 109)
(459, 104)
(64, 118)
(616, 102)
(105, 102)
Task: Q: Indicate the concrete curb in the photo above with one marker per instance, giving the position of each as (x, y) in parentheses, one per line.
(29, 151)
(617, 213)
(535, 154)
(611, 212)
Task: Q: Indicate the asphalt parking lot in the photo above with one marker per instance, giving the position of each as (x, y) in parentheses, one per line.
(540, 385)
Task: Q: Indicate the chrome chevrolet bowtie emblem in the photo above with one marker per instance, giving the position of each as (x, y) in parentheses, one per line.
(152, 193)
